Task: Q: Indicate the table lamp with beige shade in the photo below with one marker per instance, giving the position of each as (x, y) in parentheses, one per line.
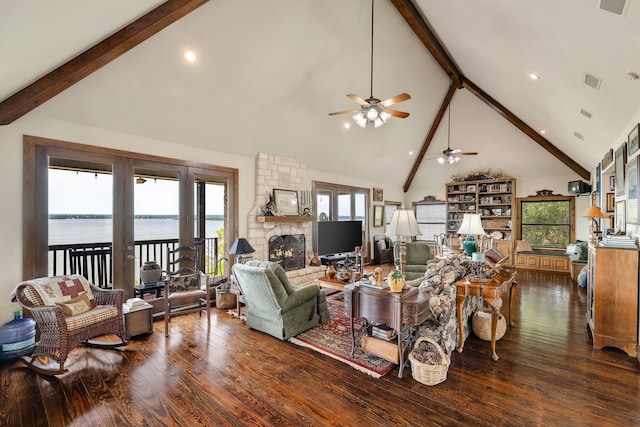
(471, 227)
(404, 225)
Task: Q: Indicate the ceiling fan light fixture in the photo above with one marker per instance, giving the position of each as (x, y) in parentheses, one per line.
(360, 118)
(372, 113)
(372, 110)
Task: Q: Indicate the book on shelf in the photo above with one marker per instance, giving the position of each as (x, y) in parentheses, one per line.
(618, 242)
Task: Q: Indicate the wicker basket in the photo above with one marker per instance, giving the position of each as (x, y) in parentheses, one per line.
(481, 324)
(429, 374)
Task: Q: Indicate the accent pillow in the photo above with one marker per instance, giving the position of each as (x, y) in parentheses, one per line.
(75, 306)
(582, 251)
(494, 255)
(522, 246)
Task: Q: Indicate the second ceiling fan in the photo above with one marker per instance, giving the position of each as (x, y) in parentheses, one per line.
(372, 110)
(449, 155)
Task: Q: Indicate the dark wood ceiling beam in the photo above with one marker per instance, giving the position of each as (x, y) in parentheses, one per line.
(68, 74)
(430, 135)
(526, 129)
(416, 21)
(407, 9)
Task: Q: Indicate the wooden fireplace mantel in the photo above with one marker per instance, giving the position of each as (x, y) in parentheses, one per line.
(284, 218)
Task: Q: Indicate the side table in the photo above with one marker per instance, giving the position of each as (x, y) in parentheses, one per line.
(491, 291)
(157, 288)
(138, 319)
(380, 305)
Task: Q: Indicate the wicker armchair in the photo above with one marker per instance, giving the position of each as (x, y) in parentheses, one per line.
(69, 311)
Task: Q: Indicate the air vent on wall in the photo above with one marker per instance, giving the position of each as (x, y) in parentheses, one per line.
(613, 6)
(593, 81)
(585, 113)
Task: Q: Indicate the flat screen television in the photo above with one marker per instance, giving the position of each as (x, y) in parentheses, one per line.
(338, 237)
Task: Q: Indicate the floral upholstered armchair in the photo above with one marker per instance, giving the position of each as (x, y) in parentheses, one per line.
(439, 283)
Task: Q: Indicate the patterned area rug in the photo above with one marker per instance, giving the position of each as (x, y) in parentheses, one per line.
(334, 340)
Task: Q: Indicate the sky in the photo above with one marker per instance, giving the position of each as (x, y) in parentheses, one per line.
(87, 193)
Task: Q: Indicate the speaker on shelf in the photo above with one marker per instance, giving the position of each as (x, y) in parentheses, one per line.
(578, 187)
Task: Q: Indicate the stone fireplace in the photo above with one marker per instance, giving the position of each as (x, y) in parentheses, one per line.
(289, 174)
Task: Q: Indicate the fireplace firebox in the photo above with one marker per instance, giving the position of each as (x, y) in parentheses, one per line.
(288, 250)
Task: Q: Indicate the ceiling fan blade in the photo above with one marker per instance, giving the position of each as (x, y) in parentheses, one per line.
(396, 113)
(357, 99)
(467, 153)
(395, 99)
(344, 112)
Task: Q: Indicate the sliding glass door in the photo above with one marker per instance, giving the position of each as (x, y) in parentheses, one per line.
(103, 213)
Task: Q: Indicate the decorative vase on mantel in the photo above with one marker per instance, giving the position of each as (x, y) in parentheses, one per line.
(150, 272)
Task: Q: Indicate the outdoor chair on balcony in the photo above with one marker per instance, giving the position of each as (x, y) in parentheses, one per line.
(185, 289)
(69, 311)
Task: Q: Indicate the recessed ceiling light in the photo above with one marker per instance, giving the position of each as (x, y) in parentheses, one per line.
(411, 153)
(534, 76)
(347, 125)
(190, 56)
(543, 131)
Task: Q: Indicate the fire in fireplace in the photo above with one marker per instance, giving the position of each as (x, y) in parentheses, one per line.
(288, 250)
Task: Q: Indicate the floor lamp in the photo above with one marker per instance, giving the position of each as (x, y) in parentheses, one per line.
(404, 225)
(594, 212)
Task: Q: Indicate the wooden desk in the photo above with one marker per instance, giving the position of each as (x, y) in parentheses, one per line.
(409, 307)
(491, 290)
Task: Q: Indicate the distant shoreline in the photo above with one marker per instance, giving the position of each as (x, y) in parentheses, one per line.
(99, 216)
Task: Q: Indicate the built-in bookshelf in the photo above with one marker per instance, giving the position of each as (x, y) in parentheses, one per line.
(493, 199)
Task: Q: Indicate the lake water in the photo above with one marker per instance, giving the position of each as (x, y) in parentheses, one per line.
(93, 230)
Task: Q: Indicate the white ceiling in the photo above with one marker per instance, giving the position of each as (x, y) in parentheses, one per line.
(269, 72)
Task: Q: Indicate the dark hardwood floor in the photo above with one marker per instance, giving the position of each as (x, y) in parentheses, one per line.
(548, 374)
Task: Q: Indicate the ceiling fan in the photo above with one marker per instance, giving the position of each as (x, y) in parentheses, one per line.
(372, 110)
(452, 156)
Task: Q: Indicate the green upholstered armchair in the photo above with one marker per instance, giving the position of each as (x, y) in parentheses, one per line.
(418, 253)
(275, 306)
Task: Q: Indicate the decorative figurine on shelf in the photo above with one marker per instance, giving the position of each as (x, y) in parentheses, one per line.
(269, 208)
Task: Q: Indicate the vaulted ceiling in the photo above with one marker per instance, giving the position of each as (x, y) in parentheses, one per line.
(268, 74)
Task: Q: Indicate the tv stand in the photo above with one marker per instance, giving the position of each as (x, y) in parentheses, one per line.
(338, 258)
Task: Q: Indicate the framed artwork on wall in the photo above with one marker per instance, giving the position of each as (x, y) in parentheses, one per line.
(631, 171)
(621, 217)
(377, 194)
(621, 160)
(286, 202)
(632, 141)
(377, 215)
(597, 186)
(611, 201)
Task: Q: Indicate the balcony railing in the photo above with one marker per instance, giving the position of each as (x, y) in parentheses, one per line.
(94, 260)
